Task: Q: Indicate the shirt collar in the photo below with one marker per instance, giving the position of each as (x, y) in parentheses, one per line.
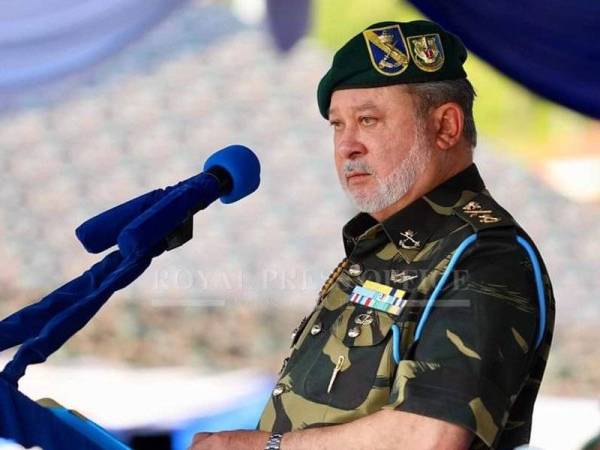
(418, 222)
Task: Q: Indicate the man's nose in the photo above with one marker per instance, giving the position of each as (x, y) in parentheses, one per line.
(349, 145)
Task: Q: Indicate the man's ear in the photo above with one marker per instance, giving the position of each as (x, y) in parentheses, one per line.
(448, 122)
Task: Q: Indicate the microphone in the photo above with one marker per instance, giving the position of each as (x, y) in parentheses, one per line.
(143, 222)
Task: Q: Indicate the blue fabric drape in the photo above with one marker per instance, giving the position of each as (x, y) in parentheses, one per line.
(95, 288)
(28, 322)
(65, 311)
(288, 21)
(45, 39)
(24, 421)
(42, 328)
(549, 46)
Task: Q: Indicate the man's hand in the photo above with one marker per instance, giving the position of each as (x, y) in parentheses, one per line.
(230, 440)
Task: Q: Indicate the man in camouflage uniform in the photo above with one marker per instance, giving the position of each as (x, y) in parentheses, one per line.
(434, 331)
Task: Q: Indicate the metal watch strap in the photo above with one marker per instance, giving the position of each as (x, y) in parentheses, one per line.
(274, 442)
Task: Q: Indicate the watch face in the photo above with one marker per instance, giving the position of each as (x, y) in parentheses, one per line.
(274, 442)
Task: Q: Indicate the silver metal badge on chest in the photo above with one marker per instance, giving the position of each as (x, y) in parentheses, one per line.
(402, 277)
(363, 319)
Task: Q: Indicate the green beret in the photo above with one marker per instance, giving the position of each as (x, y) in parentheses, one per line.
(389, 53)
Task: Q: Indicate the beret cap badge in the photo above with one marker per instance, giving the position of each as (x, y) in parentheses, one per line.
(427, 51)
(387, 49)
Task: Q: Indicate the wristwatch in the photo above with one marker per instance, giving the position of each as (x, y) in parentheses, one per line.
(274, 441)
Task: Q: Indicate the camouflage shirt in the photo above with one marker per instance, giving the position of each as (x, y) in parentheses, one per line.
(475, 364)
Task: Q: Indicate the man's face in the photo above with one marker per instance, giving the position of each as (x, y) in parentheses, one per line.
(380, 147)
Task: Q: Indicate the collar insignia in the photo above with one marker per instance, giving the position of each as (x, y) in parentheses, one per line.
(387, 49)
(427, 52)
(408, 242)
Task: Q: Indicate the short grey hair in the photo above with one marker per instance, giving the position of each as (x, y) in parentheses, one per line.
(435, 93)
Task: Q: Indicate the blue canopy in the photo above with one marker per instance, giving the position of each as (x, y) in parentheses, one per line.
(42, 40)
(549, 46)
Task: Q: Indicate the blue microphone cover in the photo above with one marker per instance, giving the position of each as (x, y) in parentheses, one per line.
(101, 232)
(243, 167)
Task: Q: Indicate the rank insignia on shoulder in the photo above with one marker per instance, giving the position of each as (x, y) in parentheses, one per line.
(474, 209)
(380, 297)
(483, 212)
(387, 49)
(427, 51)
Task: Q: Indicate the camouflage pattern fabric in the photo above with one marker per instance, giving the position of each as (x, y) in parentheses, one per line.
(475, 365)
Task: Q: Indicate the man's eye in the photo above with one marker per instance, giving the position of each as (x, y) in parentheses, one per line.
(335, 124)
(367, 121)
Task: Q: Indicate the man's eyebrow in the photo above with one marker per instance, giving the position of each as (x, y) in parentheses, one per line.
(361, 107)
(367, 105)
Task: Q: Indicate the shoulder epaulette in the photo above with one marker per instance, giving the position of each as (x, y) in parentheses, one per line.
(483, 212)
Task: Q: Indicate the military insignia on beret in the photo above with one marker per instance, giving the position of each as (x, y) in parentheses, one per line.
(387, 49)
(427, 51)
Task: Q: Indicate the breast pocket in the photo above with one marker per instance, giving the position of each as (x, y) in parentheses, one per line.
(352, 358)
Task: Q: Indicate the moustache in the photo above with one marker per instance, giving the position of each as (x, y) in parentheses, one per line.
(356, 166)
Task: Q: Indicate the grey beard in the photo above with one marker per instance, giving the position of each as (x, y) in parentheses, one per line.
(395, 185)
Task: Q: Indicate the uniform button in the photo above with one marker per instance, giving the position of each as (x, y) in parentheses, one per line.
(279, 389)
(353, 332)
(316, 329)
(355, 270)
